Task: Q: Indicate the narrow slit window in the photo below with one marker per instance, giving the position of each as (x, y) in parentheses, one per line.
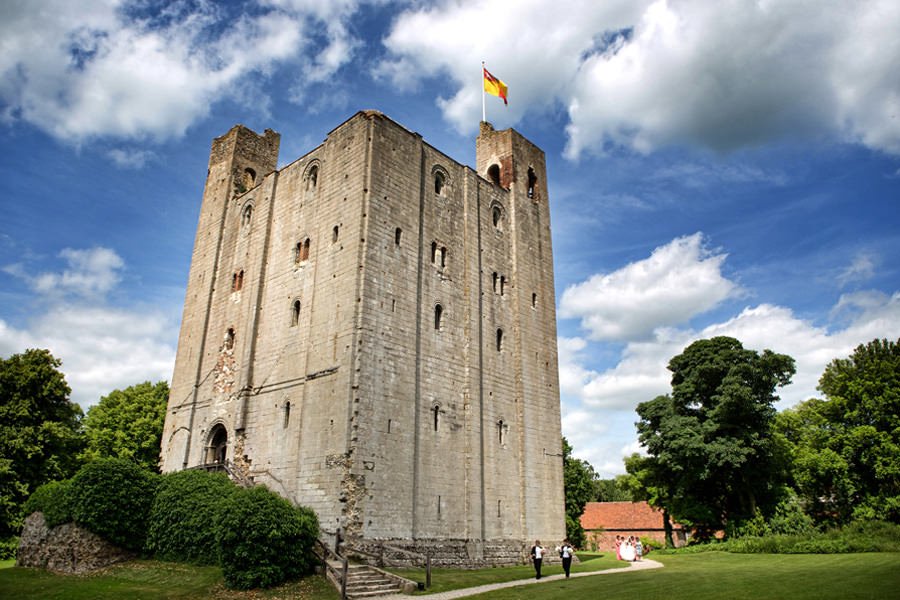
(532, 181)
(499, 340)
(495, 278)
(502, 285)
(437, 416)
(496, 217)
(433, 252)
(443, 257)
(247, 215)
(295, 313)
(533, 300)
(334, 233)
(398, 233)
(229, 339)
(438, 316)
(287, 414)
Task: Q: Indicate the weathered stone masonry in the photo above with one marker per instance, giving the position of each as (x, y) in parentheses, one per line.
(370, 331)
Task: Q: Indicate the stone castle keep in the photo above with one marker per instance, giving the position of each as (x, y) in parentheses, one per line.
(370, 331)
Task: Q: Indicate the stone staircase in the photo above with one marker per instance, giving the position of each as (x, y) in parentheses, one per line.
(366, 582)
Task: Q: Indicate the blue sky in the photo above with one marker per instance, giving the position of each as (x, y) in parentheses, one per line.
(727, 168)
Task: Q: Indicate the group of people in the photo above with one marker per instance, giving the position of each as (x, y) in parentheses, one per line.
(566, 552)
(629, 548)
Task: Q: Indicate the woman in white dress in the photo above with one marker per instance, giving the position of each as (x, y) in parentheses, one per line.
(628, 550)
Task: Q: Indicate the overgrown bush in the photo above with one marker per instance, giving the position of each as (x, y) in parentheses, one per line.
(183, 519)
(112, 497)
(864, 536)
(52, 499)
(263, 539)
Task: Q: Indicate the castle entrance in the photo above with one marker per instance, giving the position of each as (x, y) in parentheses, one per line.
(218, 444)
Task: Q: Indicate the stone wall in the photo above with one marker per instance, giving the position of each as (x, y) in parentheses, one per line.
(66, 548)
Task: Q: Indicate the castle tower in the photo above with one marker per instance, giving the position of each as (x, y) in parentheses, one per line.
(370, 331)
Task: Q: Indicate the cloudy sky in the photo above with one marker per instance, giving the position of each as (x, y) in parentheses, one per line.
(727, 168)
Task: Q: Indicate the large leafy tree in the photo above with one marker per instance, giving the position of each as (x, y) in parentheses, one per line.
(713, 460)
(128, 424)
(846, 448)
(578, 483)
(39, 431)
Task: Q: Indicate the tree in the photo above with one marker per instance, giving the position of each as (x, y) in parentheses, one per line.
(578, 483)
(39, 431)
(128, 424)
(846, 448)
(611, 490)
(712, 457)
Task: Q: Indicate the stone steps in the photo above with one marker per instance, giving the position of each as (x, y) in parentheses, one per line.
(366, 582)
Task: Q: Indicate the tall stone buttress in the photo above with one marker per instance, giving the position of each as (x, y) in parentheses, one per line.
(371, 331)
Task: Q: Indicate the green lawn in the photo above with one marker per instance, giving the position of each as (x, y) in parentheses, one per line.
(443, 580)
(707, 576)
(717, 575)
(147, 580)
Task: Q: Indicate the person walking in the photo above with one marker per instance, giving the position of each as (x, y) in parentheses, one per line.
(566, 552)
(537, 556)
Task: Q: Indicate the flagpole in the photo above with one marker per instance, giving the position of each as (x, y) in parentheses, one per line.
(483, 113)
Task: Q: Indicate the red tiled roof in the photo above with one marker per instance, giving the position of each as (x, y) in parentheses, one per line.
(621, 516)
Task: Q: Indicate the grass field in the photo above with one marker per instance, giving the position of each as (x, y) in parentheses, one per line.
(708, 576)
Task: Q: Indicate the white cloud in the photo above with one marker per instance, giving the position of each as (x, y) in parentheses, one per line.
(88, 69)
(101, 347)
(678, 281)
(599, 416)
(91, 273)
(720, 75)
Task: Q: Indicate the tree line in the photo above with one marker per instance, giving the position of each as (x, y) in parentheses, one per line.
(44, 436)
(721, 460)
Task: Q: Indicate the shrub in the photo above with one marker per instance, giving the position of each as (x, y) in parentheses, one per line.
(263, 539)
(182, 524)
(8, 548)
(52, 499)
(112, 497)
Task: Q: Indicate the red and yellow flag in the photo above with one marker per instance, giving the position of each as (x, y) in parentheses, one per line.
(494, 86)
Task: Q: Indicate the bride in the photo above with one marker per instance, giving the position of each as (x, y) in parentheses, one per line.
(627, 550)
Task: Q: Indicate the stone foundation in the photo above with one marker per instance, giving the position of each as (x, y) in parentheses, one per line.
(66, 548)
(453, 553)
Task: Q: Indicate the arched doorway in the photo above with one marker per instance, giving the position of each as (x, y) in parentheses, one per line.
(218, 445)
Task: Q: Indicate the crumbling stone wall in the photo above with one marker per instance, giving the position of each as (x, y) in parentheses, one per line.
(66, 548)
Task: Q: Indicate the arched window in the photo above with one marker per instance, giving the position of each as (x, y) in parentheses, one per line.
(438, 315)
(494, 174)
(443, 257)
(438, 183)
(499, 340)
(334, 233)
(496, 278)
(229, 339)
(249, 178)
(301, 251)
(434, 248)
(312, 179)
(437, 416)
(295, 313)
(497, 216)
(247, 215)
(532, 181)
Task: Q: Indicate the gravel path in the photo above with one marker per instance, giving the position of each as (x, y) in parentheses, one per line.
(472, 591)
